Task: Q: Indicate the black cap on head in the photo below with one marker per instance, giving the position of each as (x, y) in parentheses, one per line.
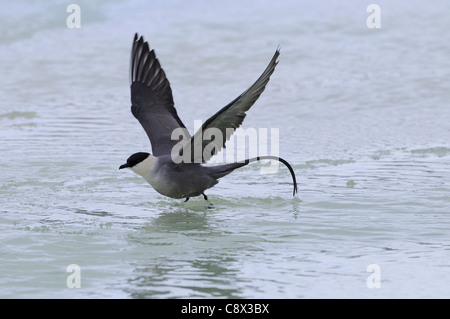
(134, 159)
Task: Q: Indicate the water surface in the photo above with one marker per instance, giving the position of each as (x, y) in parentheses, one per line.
(363, 117)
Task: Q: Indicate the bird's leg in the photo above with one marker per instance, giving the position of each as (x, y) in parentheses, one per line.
(187, 198)
(209, 205)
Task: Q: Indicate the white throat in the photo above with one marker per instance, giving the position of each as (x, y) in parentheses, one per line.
(145, 167)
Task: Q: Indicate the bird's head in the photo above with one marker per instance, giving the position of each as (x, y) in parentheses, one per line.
(140, 163)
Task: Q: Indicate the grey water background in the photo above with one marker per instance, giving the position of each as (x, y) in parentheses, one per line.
(363, 117)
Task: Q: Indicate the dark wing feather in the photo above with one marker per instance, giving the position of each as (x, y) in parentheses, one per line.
(151, 98)
(227, 120)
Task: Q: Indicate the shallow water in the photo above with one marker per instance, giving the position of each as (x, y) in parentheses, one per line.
(363, 117)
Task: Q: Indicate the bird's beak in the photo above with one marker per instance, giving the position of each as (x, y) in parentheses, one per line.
(124, 166)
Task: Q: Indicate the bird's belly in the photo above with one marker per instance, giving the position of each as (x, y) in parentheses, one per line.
(179, 183)
(167, 186)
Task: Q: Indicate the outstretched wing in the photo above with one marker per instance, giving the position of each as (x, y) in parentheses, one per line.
(151, 98)
(223, 124)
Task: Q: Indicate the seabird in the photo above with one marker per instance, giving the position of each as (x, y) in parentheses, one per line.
(166, 170)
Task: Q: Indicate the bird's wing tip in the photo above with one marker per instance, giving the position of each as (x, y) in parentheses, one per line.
(277, 54)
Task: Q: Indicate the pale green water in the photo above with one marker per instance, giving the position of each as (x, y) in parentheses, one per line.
(363, 117)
